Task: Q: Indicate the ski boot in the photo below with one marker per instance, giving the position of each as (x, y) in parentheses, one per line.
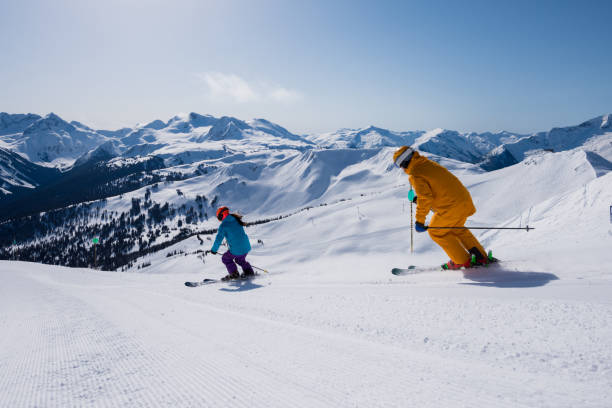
(450, 265)
(478, 259)
(491, 258)
(231, 276)
(247, 274)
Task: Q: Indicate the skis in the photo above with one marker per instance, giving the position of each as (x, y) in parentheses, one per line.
(209, 281)
(201, 283)
(413, 269)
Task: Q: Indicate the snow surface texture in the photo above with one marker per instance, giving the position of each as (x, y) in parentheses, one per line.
(329, 325)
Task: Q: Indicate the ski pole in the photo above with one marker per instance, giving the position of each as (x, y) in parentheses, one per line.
(256, 267)
(411, 230)
(411, 198)
(253, 266)
(527, 228)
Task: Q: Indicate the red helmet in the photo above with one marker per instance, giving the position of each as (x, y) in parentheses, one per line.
(222, 212)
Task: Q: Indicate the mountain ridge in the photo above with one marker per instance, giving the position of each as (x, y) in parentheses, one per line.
(52, 141)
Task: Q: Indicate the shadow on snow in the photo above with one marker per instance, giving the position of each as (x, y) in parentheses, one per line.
(500, 278)
(241, 286)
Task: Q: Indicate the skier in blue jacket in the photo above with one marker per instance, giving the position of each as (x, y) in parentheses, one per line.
(232, 229)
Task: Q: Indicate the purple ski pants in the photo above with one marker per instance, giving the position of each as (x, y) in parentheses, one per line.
(230, 260)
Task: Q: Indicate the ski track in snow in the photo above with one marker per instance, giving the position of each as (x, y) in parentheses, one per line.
(85, 338)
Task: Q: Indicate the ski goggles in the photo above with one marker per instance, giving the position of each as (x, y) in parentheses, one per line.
(404, 158)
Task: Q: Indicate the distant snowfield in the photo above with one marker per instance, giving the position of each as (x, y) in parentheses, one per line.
(329, 325)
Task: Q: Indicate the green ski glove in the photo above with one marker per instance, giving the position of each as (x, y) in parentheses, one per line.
(412, 196)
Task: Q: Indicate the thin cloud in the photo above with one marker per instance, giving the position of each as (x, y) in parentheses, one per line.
(284, 95)
(234, 88)
(228, 86)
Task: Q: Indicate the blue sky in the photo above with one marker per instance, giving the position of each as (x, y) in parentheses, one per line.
(310, 66)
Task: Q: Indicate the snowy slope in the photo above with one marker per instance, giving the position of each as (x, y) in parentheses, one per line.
(291, 339)
(514, 189)
(329, 325)
(267, 186)
(574, 229)
(258, 184)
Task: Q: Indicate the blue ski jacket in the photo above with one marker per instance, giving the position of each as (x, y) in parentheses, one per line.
(234, 234)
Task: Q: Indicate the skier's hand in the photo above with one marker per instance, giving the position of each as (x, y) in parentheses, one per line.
(412, 196)
(213, 252)
(420, 227)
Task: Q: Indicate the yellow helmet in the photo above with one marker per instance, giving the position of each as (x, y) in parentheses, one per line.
(402, 156)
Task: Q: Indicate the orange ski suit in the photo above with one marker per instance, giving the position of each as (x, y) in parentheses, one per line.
(439, 190)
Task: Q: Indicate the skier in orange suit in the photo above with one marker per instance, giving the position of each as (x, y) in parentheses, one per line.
(439, 190)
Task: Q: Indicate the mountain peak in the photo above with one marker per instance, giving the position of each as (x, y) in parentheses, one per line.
(53, 118)
(598, 122)
(49, 122)
(53, 140)
(198, 120)
(273, 129)
(16, 123)
(156, 124)
(185, 123)
(80, 125)
(227, 128)
(105, 151)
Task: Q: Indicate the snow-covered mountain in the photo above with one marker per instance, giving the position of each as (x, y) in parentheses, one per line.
(15, 124)
(470, 147)
(106, 151)
(49, 140)
(189, 138)
(52, 141)
(492, 150)
(594, 135)
(263, 169)
(268, 185)
(467, 147)
(274, 129)
(18, 174)
(327, 222)
(368, 138)
(531, 331)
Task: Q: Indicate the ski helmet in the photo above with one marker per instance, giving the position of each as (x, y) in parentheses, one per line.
(222, 212)
(402, 156)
